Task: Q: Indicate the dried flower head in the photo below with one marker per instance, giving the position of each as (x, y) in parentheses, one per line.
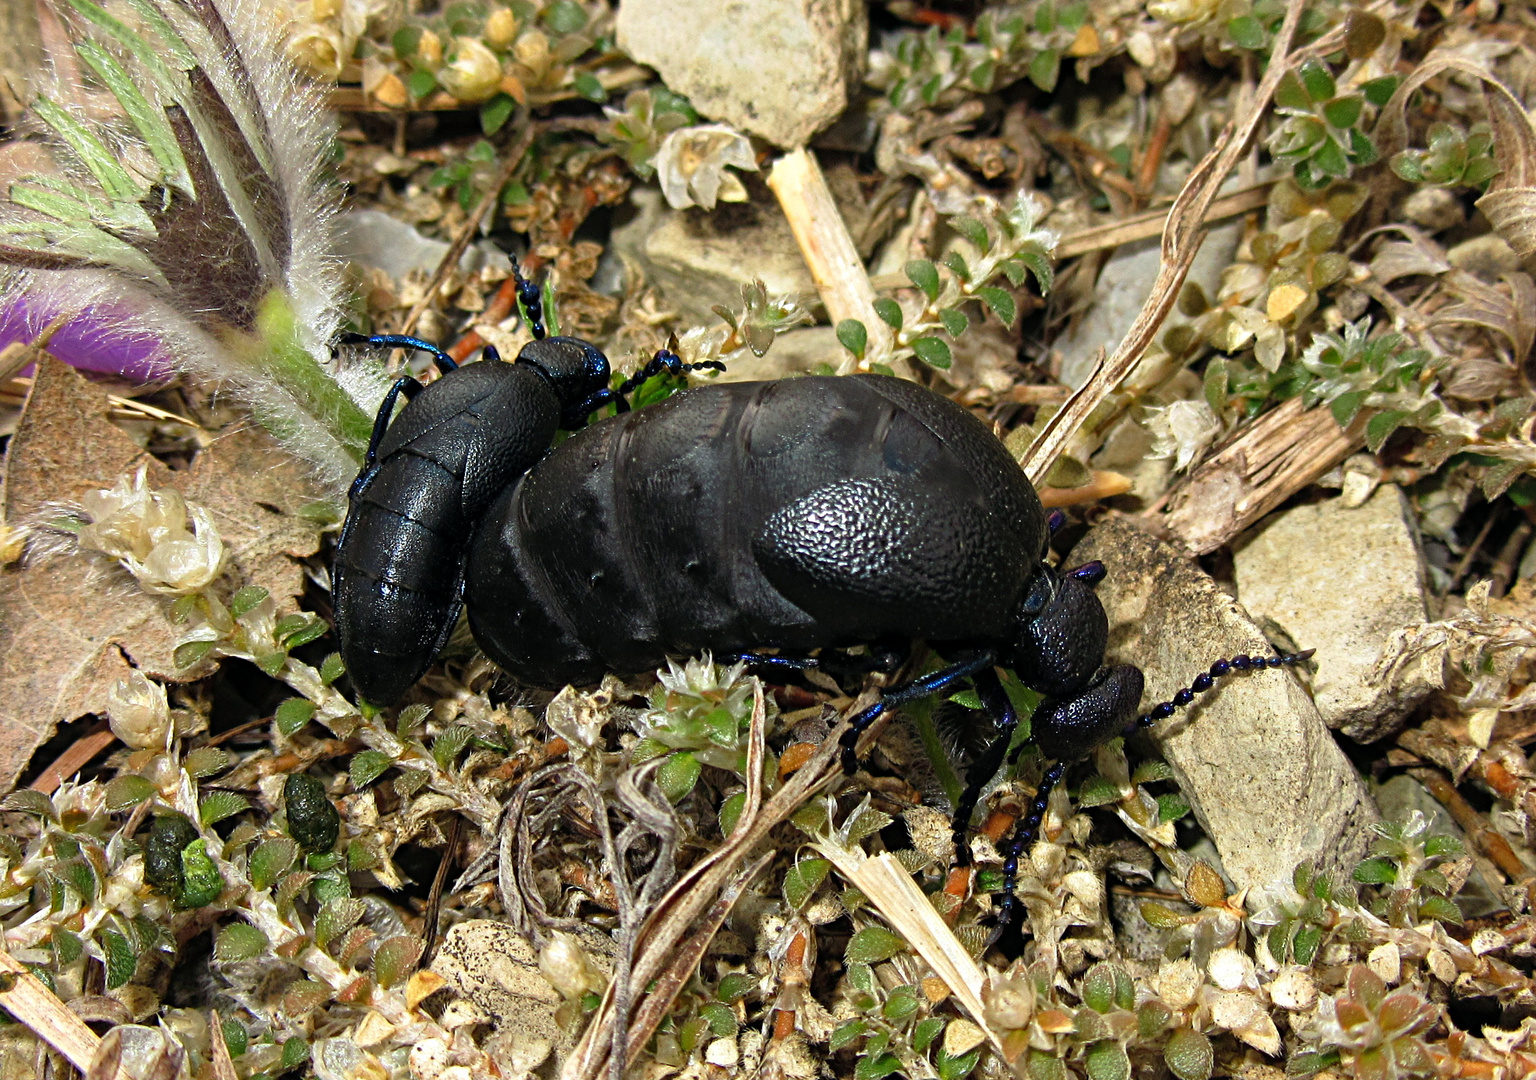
(692, 161)
(138, 713)
(1182, 431)
(170, 546)
(471, 71)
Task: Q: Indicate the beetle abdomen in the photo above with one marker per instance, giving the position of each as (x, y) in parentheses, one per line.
(722, 519)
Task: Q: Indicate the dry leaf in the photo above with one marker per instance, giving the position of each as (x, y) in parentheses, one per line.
(71, 627)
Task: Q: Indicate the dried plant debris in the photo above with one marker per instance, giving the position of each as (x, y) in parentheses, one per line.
(216, 862)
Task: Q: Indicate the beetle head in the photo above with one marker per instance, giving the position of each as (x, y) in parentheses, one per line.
(576, 370)
(1062, 630)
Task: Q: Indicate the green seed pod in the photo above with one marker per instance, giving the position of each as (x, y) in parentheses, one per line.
(168, 837)
(312, 818)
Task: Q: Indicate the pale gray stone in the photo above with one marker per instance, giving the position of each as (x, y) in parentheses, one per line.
(1340, 581)
(700, 258)
(1259, 767)
(780, 69)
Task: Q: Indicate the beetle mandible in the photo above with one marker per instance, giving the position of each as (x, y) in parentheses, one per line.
(804, 514)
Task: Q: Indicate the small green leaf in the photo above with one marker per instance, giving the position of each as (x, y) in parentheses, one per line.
(957, 264)
(873, 944)
(448, 745)
(730, 812)
(1345, 406)
(239, 941)
(1379, 91)
(272, 663)
(1171, 808)
(1291, 93)
(236, 1039)
(847, 1033)
(933, 352)
(127, 791)
(1044, 67)
(876, 1066)
(28, 801)
(335, 918)
(245, 599)
(331, 669)
(1246, 32)
(1044, 1066)
(956, 1068)
(1305, 945)
(1381, 426)
(1342, 112)
(271, 860)
(295, 1053)
(1441, 845)
(1309, 1062)
(1039, 264)
(1000, 301)
(67, 947)
(590, 87)
(803, 880)
(206, 761)
(1442, 909)
(189, 653)
(954, 320)
(120, 956)
(565, 16)
(925, 1031)
(218, 805)
(722, 1019)
(1189, 1055)
(1097, 791)
(853, 336)
(735, 986)
(678, 774)
(972, 230)
(394, 959)
(292, 715)
(367, 766)
(1319, 83)
(889, 312)
(925, 276)
(1161, 916)
(420, 83)
(1107, 1060)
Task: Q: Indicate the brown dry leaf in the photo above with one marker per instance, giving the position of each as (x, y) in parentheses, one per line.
(1485, 306)
(71, 627)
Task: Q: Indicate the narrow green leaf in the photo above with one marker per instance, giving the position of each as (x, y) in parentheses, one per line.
(148, 120)
(932, 351)
(180, 52)
(957, 265)
(1319, 83)
(93, 153)
(1305, 945)
(447, 746)
(331, 669)
(1040, 265)
(246, 599)
(127, 791)
(846, 1033)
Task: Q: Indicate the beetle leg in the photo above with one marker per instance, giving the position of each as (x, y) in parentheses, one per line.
(445, 363)
(531, 298)
(1005, 900)
(995, 700)
(408, 386)
(762, 662)
(900, 695)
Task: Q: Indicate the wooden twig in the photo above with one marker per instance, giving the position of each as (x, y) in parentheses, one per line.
(1104, 485)
(471, 225)
(1273, 458)
(1181, 241)
(1151, 223)
(74, 758)
(24, 996)
(828, 250)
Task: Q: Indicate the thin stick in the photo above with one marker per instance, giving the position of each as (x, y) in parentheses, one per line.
(828, 250)
(1181, 241)
(73, 759)
(1151, 223)
(471, 225)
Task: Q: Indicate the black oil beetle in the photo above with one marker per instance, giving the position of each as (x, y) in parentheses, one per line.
(791, 516)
